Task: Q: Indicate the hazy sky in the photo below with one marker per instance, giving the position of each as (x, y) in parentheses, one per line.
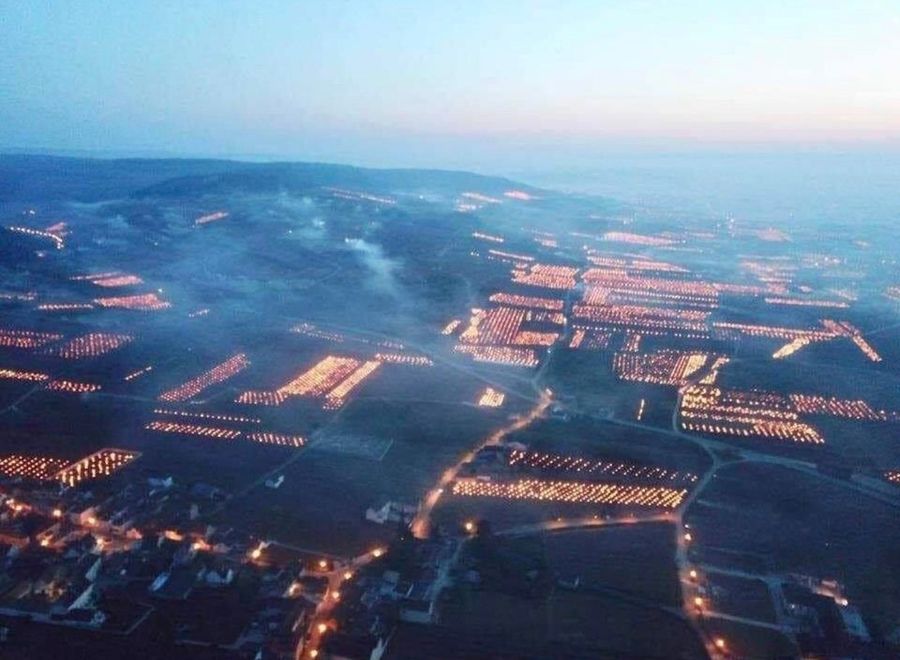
(445, 83)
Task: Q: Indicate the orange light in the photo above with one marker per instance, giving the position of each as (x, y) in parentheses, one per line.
(698, 601)
(693, 574)
(688, 537)
(347, 575)
(321, 628)
(377, 552)
(720, 643)
(314, 653)
(336, 595)
(256, 554)
(470, 526)
(323, 564)
(57, 513)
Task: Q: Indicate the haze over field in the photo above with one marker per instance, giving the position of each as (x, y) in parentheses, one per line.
(464, 331)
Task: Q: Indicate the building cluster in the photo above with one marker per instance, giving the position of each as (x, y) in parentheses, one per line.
(126, 568)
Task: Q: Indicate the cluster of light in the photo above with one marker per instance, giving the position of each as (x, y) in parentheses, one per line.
(15, 374)
(543, 316)
(491, 398)
(451, 327)
(534, 338)
(590, 339)
(713, 374)
(309, 330)
(616, 280)
(637, 239)
(508, 355)
(572, 492)
(667, 367)
(99, 464)
(498, 325)
(90, 345)
(30, 467)
(893, 476)
(355, 196)
(809, 404)
(513, 300)
(546, 276)
(110, 280)
(321, 378)
(211, 217)
(199, 312)
(138, 373)
(636, 316)
(279, 439)
(336, 397)
(731, 330)
(37, 233)
(72, 386)
(519, 195)
(261, 398)
(25, 338)
(480, 197)
(615, 295)
(561, 463)
(143, 302)
(631, 342)
(90, 277)
(487, 237)
(802, 302)
(638, 264)
(25, 296)
(511, 256)
(405, 359)
(709, 409)
(193, 429)
(204, 415)
(893, 292)
(791, 347)
(639, 415)
(64, 307)
(221, 372)
(546, 242)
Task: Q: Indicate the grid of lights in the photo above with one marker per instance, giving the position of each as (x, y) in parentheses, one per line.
(513, 300)
(337, 396)
(72, 386)
(90, 345)
(99, 464)
(279, 439)
(573, 492)
(636, 316)
(211, 217)
(451, 327)
(15, 374)
(405, 359)
(204, 415)
(220, 373)
(193, 429)
(26, 338)
(667, 367)
(64, 307)
(546, 276)
(506, 355)
(42, 468)
(145, 302)
(491, 398)
(562, 463)
(637, 239)
(137, 374)
(487, 237)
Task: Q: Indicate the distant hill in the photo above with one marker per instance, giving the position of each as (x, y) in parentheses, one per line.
(31, 177)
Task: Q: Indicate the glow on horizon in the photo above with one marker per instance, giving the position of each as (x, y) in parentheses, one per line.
(348, 78)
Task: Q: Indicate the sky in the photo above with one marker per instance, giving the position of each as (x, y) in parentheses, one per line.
(473, 84)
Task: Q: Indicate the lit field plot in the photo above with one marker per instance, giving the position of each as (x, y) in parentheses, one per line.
(278, 439)
(26, 339)
(144, 302)
(109, 280)
(64, 307)
(712, 410)
(207, 218)
(28, 376)
(218, 374)
(93, 344)
(491, 398)
(182, 428)
(72, 387)
(662, 367)
(643, 318)
(495, 335)
(39, 468)
(504, 355)
(332, 379)
(545, 463)
(572, 492)
(97, 465)
(546, 276)
(638, 239)
(513, 300)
